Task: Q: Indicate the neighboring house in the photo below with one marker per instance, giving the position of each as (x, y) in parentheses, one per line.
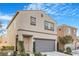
(33, 26)
(4, 41)
(0, 41)
(64, 30)
(78, 38)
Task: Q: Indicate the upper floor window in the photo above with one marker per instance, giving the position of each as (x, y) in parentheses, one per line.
(74, 31)
(33, 20)
(68, 31)
(59, 29)
(48, 26)
(41, 15)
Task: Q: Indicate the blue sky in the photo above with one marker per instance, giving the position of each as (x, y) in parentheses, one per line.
(63, 13)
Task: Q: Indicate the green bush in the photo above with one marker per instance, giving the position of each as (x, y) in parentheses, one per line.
(27, 54)
(38, 54)
(21, 49)
(7, 48)
(21, 46)
(44, 55)
(14, 53)
(23, 54)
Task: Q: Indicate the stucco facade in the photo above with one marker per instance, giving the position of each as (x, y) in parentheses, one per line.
(20, 26)
(64, 30)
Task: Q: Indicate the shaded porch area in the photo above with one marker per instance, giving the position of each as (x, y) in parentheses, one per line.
(24, 43)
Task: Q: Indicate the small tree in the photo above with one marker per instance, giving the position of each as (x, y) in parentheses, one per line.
(62, 41)
(65, 39)
(21, 46)
(68, 39)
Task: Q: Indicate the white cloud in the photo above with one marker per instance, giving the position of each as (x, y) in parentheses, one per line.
(5, 17)
(4, 26)
(49, 8)
(53, 9)
(3, 29)
(44, 7)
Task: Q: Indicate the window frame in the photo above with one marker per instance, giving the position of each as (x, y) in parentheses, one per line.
(48, 26)
(32, 20)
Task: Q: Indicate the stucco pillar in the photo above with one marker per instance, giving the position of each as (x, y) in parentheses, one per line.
(20, 37)
(32, 40)
(56, 45)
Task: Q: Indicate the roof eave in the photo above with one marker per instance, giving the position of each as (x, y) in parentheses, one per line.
(12, 19)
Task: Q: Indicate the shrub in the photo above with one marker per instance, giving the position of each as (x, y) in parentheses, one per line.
(44, 55)
(14, 53)
(23, 54)
(21, 46)
(7, 48)
(27, 54)
(38, 54)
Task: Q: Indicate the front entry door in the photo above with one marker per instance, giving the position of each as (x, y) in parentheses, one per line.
(27, 43)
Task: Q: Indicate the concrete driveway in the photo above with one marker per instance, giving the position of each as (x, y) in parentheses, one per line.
(55, 53)
(75, 52)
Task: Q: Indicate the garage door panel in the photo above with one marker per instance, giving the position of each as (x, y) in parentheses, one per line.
(44, 45)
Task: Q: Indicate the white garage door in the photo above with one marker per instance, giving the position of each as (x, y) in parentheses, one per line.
(44, 45)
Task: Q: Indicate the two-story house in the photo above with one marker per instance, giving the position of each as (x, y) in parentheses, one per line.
(64, 30)
(33, 26)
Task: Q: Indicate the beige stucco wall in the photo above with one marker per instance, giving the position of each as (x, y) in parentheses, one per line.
(22, 21)
(65, 27)
(62, 33)
(11, 33)
(39, 35)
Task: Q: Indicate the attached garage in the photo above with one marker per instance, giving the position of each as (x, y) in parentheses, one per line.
(44, 45)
